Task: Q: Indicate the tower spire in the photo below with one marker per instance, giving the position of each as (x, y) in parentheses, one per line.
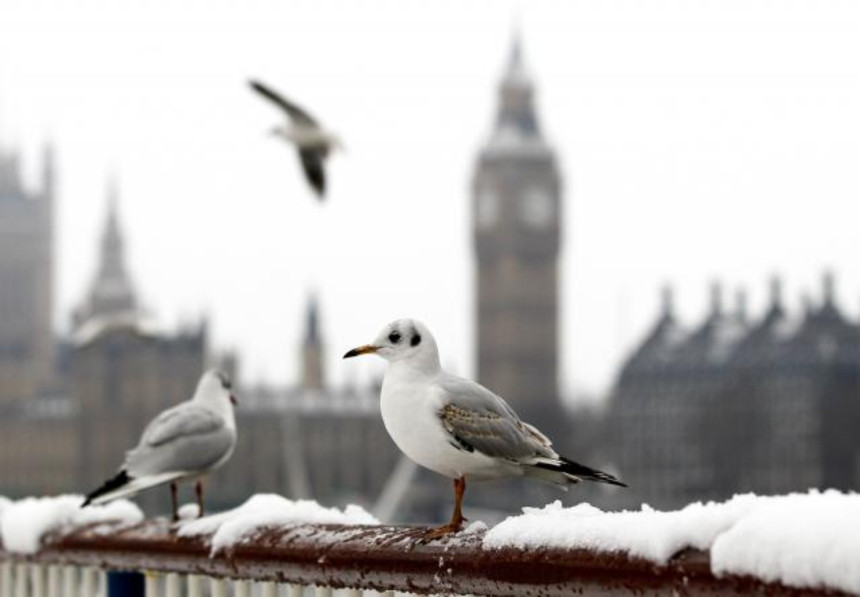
(667, 303)
(516, 69)
(775, 311)
(49, 174)
(741, 305)
(516, 118)
(113, 244)
(112, 292)
(776, 292)
(313, 377)
(716, 299)
(828, 286)
(312, 332)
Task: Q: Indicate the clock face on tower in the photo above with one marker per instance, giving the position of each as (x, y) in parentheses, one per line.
(536, 208)
(487, 208)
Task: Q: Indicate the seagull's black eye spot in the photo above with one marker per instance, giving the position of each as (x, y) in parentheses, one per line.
(416, 339)
(394, 337)
(225, 381)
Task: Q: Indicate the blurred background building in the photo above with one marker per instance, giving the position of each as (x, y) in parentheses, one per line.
(26, 280)
(70, 410)
(739, 403)
(517, 204)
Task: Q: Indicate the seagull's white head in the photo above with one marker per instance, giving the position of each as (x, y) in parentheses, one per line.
(404, 340)
(215, 389)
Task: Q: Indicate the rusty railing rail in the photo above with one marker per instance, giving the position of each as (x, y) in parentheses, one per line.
(356, 558)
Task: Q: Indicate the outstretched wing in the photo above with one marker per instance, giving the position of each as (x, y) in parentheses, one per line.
(296, 113)
(478, 420)
(312, 163)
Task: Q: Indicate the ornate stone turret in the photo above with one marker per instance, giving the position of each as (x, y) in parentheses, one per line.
(764, 344)
(659, 346)
(714, 341)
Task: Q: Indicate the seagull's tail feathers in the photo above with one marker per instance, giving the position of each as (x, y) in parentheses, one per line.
(565, 472)
(123, 485)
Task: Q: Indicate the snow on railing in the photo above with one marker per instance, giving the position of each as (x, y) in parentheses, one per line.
(799, 544)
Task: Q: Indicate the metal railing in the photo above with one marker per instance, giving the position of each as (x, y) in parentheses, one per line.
(318, 560)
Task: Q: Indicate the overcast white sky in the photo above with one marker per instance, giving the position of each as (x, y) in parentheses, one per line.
(697, 140)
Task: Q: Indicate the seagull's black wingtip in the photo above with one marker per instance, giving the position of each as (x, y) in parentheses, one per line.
(256, 86)
(115, 482)
(586, 472)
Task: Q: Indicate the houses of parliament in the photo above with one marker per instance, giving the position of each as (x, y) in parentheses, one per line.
(734, 405)
(70, 404)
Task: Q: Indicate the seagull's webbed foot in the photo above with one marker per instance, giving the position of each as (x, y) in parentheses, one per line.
(442, 531)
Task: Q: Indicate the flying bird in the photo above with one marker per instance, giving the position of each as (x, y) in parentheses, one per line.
(457, 427)
(186, 441)
(313, 142)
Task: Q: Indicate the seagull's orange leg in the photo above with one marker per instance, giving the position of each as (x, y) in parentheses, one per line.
(198, 489)
(457, 518)
(173, 501)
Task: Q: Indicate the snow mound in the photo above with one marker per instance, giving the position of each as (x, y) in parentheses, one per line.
(475, 528)
(4, 503)
(188, 511)
(268, 510)
(25, 522)
(800, 540)
(648, 534)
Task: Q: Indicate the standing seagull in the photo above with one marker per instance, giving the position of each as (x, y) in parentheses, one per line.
(313, 142)
(456, 427)
(186, 441)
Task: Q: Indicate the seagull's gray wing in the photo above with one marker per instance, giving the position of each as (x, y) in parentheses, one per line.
(478, 420)
(296, 113)
(185, 438)
(312, 163)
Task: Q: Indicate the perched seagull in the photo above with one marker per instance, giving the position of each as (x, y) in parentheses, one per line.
(456, 427)
(186, 441)
(313, 142)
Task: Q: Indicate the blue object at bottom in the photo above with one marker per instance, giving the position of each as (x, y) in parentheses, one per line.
(125, 584)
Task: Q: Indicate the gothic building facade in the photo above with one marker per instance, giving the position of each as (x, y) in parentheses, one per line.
(121, 370)
(26, 280)
(112, 374)
(117, 369)
(769, 405)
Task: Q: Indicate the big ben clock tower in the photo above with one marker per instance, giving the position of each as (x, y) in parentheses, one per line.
(517, 231)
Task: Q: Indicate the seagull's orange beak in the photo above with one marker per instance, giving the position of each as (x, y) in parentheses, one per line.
(366, 349)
